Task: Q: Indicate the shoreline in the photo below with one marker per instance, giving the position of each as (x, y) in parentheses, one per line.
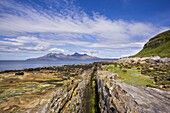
(22, 65)
(155, 59)
(85, 87)
(39, 68)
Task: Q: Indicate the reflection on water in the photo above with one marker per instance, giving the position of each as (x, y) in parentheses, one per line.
(135, 74)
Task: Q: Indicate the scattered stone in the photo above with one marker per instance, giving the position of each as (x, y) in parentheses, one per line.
(148, 85)
(19, 73)
(124, 70)
(39, 92)
(162, 86)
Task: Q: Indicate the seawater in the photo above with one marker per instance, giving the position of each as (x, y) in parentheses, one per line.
(23, 64)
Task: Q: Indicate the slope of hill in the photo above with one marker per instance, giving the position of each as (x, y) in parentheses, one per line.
(156, 46)
(61, 56)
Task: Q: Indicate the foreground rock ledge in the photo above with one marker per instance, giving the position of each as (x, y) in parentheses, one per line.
(77, 89)
(122, 98)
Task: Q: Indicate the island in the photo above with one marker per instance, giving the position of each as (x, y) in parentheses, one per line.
(61, 56)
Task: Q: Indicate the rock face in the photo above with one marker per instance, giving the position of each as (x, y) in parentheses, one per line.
(117, 97)
(72, 97)
(158, 40)
(113, 99)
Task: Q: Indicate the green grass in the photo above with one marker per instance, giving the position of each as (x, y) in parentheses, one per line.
(162, 36)
(162, 49)
(22, 89)
(128, 76)
(93, 98)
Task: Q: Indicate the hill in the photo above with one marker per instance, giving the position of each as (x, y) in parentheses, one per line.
(61, 56)
(156, 46)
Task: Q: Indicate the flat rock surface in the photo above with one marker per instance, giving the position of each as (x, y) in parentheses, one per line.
(131, 98)
(150, 100)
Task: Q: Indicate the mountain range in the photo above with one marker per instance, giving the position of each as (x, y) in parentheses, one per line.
(61, 56)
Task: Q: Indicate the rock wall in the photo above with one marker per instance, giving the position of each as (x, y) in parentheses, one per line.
(78, 96)
(112, 98)
(72, 97)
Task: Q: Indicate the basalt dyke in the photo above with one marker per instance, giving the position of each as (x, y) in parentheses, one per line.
(123, 86)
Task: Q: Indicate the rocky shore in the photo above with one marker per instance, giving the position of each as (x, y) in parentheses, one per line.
(139, 85)
(118, 97)
(146, 59)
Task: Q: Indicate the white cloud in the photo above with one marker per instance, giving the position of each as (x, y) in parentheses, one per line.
(23, 39)
(105, 29)
(102, 28)
(68, 27)
(23, 43)
(56, 50)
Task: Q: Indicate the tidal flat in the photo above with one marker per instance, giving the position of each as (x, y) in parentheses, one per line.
(21, 90)
(85, 88)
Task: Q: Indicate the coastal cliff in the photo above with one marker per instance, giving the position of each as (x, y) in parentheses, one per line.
(156, 46)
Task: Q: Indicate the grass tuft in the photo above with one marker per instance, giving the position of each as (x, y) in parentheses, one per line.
(133, 77)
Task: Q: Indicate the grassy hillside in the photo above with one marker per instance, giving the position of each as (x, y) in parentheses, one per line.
(157, 46)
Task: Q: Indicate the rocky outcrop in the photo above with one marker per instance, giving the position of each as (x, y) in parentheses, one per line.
(117, 97)
(156, 46)
(50, 89)
(73, 96)
(78, 89)
(113, 99)
(145, 59)
(158, 40)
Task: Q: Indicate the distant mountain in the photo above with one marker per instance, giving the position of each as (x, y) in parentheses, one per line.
(156, 46)
(61, 56)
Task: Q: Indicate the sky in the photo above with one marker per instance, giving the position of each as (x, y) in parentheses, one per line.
(102, 28)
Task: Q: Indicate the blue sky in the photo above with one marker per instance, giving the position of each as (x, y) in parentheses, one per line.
(103, 28)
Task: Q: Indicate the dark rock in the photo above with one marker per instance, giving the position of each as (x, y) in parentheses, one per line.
(19, 73)
(148, 85)
(124, 70)
(155, 79)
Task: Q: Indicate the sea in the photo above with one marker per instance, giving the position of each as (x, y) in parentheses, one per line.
(24, 64)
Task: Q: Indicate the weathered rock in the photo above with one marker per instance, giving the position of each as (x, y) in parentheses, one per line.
(145, 59)
(72, 97)
(123, 98)
(113, 99)
(68, 89)
(19, 73)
